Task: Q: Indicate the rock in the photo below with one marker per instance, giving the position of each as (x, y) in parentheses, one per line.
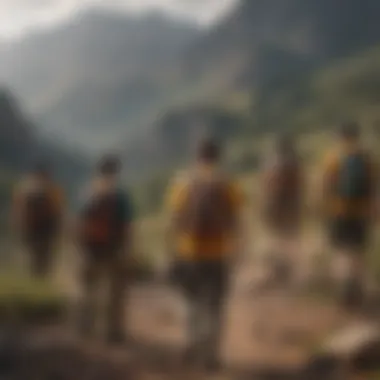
(321, 367)
(352, 340)
(355, 348)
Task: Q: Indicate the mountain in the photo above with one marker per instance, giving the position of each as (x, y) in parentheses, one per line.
(263, 55)
(21, 144)
(148, 85)
(95, 73)
(317, 30)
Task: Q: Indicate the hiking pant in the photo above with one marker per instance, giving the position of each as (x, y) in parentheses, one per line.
(41, 254)
(205, 285)
(350, 238)
(101, 266)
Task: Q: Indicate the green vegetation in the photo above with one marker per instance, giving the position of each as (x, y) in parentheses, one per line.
(317, 101)
(148, 195)
(346, 89)
(27, 300)
(19, 135)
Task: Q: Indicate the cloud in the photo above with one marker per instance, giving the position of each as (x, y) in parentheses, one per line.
(19, 16)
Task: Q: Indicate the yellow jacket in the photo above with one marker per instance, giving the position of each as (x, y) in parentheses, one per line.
(189, 246)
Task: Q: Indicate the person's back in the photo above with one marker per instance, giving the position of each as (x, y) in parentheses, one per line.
(104, 237)
(282, 195)
(348, 187)
(102, 219)
(282, 189)
(349, 196)
(205, 211)
(205, 222)
(37, 211)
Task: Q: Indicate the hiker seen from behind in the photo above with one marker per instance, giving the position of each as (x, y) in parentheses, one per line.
(282, 197)
(37, 214)
(104, 234)
(205, 209)
(349, 199)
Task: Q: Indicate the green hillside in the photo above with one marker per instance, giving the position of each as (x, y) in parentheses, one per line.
(346, 89)
(21, 144)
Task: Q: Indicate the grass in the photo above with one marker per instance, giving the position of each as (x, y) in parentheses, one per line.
(28, 300)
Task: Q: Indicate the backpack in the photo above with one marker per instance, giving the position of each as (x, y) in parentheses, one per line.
(39, 211)
(99, 220)
(283, 187)
(353, 178)
(208, 212)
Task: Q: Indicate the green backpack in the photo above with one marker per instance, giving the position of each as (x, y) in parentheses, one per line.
(353, 182)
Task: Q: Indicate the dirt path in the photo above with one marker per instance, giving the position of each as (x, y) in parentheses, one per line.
(270, 331)
(273, 330)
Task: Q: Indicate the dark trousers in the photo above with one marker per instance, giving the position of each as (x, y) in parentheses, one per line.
(205, 286)
(40, 247)
(103, 266)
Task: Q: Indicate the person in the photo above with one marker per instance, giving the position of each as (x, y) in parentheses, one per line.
(37, 213)
(349, 199)
(205, 205)
(105, 236)
(282, 186)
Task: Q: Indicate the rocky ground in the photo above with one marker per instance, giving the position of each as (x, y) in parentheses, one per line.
(268, 335)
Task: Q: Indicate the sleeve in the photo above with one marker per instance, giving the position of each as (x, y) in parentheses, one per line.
(127, 212)
(236, 196)
(329, 169)
(176, 196)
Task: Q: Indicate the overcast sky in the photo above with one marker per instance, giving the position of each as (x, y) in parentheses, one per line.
(20, 16)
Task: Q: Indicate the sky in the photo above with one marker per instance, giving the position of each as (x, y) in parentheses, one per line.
(18, 17)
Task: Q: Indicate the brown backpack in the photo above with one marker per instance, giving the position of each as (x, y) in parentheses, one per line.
(39, 212)
(283, 186)
(208, 212)
(99, 220)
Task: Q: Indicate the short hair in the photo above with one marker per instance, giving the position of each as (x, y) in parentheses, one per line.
(109, 165)
(349, 130)
(208, 150)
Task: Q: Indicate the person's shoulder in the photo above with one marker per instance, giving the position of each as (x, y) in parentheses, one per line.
(57, 188)
(332, 157)
(181, 180)
(24, 186)
(228, 180)
(124, 194)
(234, 190)
(233, 184)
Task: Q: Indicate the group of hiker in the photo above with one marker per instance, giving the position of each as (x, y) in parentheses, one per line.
(206, 231)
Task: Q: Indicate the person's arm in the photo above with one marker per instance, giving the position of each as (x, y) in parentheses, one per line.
(175, 200)
(239, 235)
(325, 180)
(128, 219)
(263, 178)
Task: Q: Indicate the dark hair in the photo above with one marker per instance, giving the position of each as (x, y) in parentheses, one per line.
(208, 150)
(109, 165)
(349, 130)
